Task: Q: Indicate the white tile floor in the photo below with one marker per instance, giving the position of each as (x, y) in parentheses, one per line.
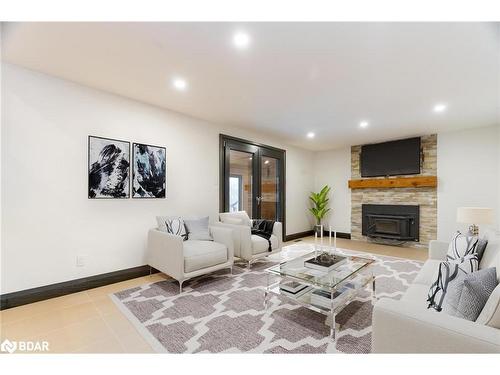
(89, 322)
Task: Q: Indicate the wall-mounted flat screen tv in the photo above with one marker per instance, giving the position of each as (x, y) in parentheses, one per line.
(391, 158)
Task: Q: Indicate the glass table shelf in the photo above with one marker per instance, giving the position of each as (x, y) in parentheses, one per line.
(342, 284)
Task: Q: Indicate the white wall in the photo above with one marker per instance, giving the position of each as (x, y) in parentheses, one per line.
(468, 163)
(333, 168)
(47, 218)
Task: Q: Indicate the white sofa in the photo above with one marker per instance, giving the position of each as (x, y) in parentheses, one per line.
(184, 260)
(407, 326)
(248, 246)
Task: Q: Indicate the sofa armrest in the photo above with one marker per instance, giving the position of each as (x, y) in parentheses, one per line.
(278, 232)
(402, 327)
(438, 250)
(225, 237)
(166, 253)
(241, 238)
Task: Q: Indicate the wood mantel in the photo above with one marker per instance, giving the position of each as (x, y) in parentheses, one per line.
(396, 182)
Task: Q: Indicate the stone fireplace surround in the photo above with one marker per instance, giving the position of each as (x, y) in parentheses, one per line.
(425, 197)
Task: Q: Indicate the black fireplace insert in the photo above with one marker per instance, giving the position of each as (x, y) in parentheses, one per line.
(396, 222)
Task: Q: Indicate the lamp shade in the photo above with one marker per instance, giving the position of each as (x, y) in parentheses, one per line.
(475, 215)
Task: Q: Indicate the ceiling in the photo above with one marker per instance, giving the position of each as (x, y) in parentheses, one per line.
(293, 78)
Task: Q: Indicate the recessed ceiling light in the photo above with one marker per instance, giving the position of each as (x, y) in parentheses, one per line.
(266, 162)
(440, 108)
(241, 40)
(180, 84)
(363, 124)
(311, 135)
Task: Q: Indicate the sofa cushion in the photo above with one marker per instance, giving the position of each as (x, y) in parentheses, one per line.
(461, 245)
(448, 271)
(203, 254)
(173, 225)
(490, 314)
(491, 257)
(260, 244)
(241, 215)
(467, 294)
(428, 273)
(198, 229)
(482, 243)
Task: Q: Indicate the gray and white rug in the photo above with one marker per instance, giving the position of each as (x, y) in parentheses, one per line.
(224, 313)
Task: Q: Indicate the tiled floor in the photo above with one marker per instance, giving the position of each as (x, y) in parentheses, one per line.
(89, 322)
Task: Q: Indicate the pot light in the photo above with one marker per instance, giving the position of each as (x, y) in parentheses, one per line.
(241, 40)
(266, 162)
(363, 124)
(179, 84)
(440, 108)
(311, 135)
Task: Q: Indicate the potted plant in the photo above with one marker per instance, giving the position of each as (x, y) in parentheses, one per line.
(320, 207)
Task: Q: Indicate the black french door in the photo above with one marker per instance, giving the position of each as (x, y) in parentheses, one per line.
(252, 179)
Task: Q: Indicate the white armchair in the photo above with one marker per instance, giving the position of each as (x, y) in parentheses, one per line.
(184, 260)
(247, 246)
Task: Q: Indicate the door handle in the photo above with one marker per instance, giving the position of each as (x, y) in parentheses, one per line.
(259, 199)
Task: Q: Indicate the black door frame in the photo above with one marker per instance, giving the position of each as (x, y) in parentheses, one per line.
(252, 147)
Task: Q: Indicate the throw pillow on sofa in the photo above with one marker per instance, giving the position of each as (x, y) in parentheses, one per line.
(467, 293)
(461, 245)
(448, 271)
(481, 247)
(241, 215)
(198, 229)
(173, 225)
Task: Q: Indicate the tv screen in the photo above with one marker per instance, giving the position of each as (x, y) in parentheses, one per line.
(391, 158)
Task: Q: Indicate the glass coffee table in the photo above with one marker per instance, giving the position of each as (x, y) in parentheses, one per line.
(326, 292)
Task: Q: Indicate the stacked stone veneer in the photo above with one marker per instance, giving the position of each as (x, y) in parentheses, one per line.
(425, 197)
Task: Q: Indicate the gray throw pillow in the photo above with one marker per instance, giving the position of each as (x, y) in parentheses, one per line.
(467, 293)
(447, 272)
(198, 229)
(481, 246)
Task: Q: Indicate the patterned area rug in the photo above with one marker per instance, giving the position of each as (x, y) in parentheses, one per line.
(224, 313)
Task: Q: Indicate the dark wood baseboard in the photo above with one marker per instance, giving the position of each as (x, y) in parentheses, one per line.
(296, 236)
(24, 297)
(344, 235)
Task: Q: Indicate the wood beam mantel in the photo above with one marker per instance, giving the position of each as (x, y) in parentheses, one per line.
(397, 182)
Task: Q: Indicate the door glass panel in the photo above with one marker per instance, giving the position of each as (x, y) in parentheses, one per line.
(235, 193)
(240, 181)
(269, 202)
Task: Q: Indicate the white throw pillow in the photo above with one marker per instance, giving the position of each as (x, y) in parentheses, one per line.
(173, 225)
(233, 220)
(461, 246)
(447, 272)
(490, 314)
(241, 215)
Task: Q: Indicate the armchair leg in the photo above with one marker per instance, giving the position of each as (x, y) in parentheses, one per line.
(180, 286)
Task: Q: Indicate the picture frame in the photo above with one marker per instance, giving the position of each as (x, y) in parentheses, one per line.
(108, 168)
(149, 171)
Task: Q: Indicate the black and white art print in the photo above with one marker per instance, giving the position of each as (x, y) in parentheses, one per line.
(109, 168)
(149, 171)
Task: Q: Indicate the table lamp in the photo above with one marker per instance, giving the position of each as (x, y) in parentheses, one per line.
(474, 216)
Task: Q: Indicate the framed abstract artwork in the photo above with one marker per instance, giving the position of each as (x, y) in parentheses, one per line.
(108, 168)
(149, 171)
